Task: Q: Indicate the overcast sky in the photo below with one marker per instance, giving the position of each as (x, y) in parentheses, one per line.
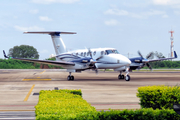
(127, 25)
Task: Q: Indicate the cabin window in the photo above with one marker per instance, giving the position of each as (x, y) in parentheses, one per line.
(90, 53)
(102, 52)
(94, 53)
(84, 54)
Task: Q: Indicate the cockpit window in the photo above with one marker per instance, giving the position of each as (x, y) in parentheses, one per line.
(112, 51)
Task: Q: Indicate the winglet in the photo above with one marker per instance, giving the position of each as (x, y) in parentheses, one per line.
(175, 55)
(5, 54)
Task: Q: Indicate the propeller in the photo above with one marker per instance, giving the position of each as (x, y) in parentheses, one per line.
(145, 61)
(140, 54)
(93, 61)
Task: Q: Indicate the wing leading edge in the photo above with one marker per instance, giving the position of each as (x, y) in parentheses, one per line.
(49, 62)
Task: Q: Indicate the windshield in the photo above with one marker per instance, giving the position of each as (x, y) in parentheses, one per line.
(112, 51)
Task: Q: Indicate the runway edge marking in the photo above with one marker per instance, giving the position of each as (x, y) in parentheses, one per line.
(27, 96)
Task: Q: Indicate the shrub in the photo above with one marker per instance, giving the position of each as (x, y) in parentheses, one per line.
(158, 96)
(69, 105)
(61, 104)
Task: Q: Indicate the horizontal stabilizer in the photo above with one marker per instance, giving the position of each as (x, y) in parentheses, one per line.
(51, 32)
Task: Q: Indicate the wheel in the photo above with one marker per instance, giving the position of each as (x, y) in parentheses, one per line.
(122, 76)
(69, 78)
(119, 77)
(127, 78)
(72, 77)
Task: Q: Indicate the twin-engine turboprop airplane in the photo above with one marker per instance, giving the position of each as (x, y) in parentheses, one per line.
(140, 62)
(80, 60)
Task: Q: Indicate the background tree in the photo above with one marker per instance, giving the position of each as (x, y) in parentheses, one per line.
(23, 51)
(150, 55)
(159, 55)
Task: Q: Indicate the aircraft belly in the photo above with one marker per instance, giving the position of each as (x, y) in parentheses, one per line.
(77, 67)
(108, 66)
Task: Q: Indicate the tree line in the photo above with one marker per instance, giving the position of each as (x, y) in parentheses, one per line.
(18, 64)
(165, 64)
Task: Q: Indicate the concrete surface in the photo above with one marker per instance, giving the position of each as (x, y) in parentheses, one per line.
(103, 91)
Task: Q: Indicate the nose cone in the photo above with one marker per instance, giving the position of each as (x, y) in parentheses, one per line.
(127, 61)
(122, 59)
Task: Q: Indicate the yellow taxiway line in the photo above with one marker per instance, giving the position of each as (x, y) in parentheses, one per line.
(43, 72)
(27, 96)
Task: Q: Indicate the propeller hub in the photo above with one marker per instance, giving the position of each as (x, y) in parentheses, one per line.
(92, 61)
(145, 60)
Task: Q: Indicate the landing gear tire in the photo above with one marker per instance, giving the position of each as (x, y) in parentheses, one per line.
(70, 78)
(121, 77)
(127, 78)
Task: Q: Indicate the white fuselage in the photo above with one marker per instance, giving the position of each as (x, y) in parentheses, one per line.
(105, 59)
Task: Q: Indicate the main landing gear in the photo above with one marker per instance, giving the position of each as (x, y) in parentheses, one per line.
(70, 77)
(127, 77)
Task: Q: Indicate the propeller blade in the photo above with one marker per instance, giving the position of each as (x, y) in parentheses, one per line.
(96, 70)
(99, 57)
(90, 53)
(149, 55)
(140, 54)
(149, 66)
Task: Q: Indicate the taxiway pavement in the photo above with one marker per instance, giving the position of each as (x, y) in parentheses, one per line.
(19, 88)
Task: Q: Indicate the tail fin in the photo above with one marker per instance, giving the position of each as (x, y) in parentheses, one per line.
(58, 43)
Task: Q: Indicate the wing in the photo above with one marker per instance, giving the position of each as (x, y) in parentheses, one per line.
(175, 56)
(49, 62)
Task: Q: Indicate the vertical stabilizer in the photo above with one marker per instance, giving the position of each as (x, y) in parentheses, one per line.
(58, 43)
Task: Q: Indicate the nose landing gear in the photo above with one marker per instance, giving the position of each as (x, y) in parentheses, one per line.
(70, 77)
(127, 77)
(120, 76)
